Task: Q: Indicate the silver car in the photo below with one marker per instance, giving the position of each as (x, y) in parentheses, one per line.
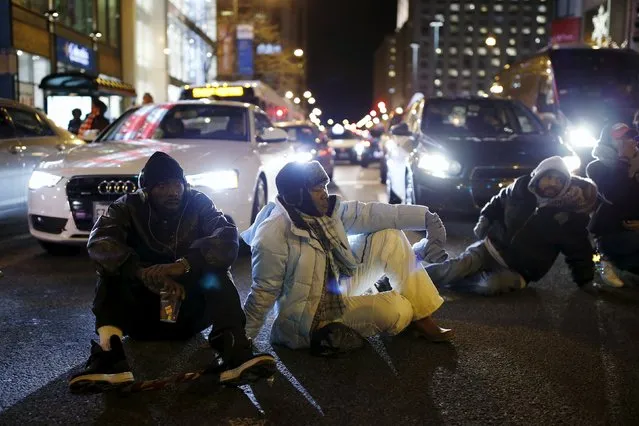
(26, 137)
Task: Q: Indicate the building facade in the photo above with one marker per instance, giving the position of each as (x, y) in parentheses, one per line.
(75, 36)
(452, 47)
(387, 74)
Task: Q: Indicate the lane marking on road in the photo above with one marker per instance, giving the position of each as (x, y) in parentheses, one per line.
(610, 370)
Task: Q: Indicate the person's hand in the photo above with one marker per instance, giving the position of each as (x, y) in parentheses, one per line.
(154, 277)
(631, 225)
(173, 288)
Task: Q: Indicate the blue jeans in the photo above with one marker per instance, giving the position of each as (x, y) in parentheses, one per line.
(621, 249)
(475, 270)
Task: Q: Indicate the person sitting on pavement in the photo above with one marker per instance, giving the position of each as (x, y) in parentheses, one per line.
(317, 256)
(166, 241)
(522, 230)
(615, 224)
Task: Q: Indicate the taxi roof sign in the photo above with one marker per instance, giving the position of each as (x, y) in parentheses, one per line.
(207, 92)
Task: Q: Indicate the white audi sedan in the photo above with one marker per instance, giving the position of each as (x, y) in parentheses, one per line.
(228, 150)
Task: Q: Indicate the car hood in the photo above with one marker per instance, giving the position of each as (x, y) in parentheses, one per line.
(130, 157)
(525, 150)
(343, 143)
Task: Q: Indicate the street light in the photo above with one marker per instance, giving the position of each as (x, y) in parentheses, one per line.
(399, 110)
(289, 95)
(307, 94)
(298, 53)
(345, 121)
(311, 101)
(330, 122)
(381, 105)
(373, 113)
(491, 41)
(317, 111)
(297, 100)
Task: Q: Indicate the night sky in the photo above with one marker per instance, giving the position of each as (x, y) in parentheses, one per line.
(342, 38)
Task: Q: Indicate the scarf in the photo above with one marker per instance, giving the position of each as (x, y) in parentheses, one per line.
(340, 262)
(610, 158)
(86, 125)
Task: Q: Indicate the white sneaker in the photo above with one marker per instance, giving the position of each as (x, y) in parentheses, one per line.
(608, 274)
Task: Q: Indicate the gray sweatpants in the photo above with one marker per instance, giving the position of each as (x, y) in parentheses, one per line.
(475, 270)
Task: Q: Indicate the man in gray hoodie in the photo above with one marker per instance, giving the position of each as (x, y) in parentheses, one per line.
(522, 230)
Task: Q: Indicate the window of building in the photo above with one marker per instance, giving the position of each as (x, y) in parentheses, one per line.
(496, 51)
(76, 14)
(31, 70)
(468, 62)
(498, 8)
(393, 50)
(513, 30)
(484, 8)
(469, 6)
(438, 82)
(453, 72)
(454, 29)
(470, 28)
(495, 62)
(109, 21)
(541, 31)
(526, 30)
(38, 6)
(468, 51)
(454, 7)
(438, 71)
(511, 51)
(512, 42)
(513, 8)
(440, 93)
(541, 8)
(483, 30)
(466, 73)
(452, 50)
(391, 74)
(498, 30)
(541, 19)
(454, 18)
(481, 73)
(468, 40)
(482, 51)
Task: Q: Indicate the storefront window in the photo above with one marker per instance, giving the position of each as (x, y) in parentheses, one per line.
(201, 13)
(31, 70)
(76, 14)
(38, 6)
(109, 21)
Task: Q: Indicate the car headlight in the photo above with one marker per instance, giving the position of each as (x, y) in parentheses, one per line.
(438, 165)
(362, 146)
(217, 181)
(303, 156)
(572, 162)
(580, 137)
(43, 179)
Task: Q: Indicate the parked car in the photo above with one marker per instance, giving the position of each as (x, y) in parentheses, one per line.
(26, 137)
(229, 150)
(310, 144)
(369, 151)
(455, 153)
(345, 143)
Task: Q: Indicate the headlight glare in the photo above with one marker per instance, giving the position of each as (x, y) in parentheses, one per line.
(572, 162)
(439, 165)
(42, 179)
(580, 137)
(303, 156)
(217, 181)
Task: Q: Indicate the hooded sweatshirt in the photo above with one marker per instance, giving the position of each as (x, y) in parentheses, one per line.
(618, 185)
(529, 231)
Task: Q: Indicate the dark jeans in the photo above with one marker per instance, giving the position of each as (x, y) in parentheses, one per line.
(211, 299)
(622, 249)
(476, 271)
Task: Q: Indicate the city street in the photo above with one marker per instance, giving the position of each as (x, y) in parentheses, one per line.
(549, 354)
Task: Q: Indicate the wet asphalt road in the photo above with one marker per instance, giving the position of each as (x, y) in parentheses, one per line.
(549, 354)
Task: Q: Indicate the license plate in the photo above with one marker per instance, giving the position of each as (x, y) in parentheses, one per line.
(99, 208)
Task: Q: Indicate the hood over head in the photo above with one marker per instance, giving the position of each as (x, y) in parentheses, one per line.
(555, 164)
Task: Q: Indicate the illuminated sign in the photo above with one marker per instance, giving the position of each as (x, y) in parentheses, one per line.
(75, 54)
(222, 92)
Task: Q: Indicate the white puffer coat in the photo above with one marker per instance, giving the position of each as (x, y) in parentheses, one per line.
(289, 265)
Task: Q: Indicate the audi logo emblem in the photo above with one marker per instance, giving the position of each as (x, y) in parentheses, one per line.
(114, 187)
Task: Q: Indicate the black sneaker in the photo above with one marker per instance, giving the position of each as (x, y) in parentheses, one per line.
(104, 371)
(236, 362)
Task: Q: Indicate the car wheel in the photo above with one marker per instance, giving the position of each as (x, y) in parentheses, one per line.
(410, 189)
(59, 249)
(259, 198)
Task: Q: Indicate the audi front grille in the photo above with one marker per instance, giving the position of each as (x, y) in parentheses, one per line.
(84, 191)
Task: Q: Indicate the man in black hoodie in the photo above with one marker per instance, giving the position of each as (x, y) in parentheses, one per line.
(615, 224)
(166, 239)
(522, 230)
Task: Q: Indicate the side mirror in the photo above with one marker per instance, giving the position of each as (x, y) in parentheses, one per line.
(271, 135)
(401, 129)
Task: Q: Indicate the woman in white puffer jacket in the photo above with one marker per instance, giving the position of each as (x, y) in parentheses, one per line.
(316, 257)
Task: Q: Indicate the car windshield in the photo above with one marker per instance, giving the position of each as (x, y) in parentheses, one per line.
(304, 134)
(192, 121)
(478, 118)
